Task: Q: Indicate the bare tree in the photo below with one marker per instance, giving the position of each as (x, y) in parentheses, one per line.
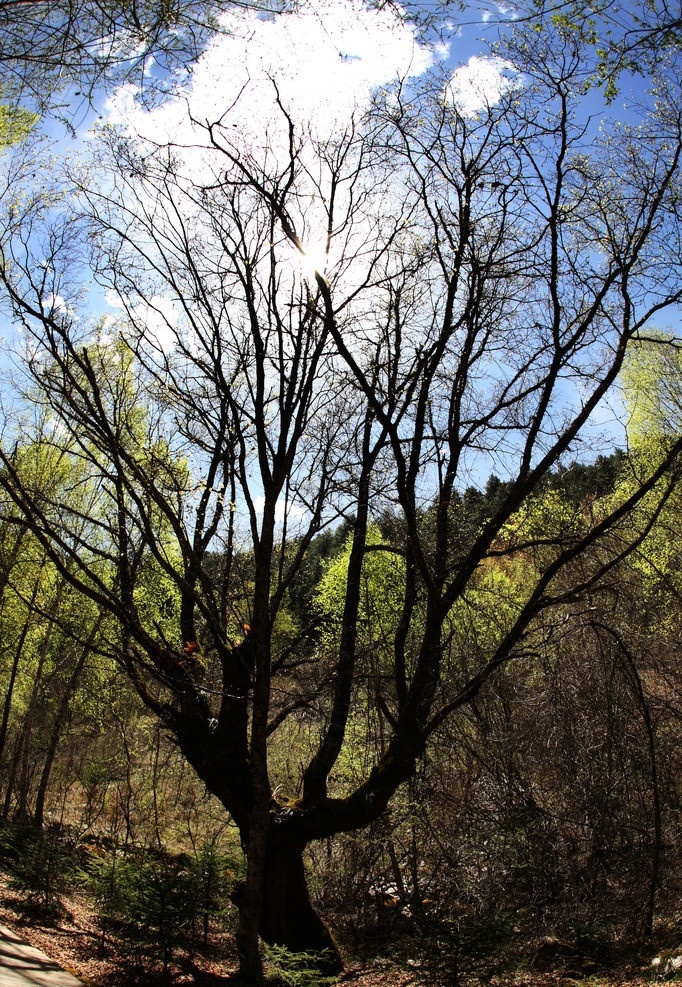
(47, 47)
(480, 280)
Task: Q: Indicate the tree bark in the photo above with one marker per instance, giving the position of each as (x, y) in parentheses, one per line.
(251, 901)
(287, 916)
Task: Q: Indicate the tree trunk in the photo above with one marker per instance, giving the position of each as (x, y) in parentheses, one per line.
(250, 898)
(287, 916)
(7, 708)
(56, 733)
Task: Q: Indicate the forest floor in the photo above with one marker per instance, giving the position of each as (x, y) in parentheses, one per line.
(73, 940)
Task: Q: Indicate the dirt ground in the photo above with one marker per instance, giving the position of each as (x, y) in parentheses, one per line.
(73, 941)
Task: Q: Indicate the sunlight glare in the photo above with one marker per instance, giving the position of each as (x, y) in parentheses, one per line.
(313, 260)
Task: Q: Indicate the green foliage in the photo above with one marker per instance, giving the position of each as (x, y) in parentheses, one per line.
(302, 593)
(580, 481)
(544, 518)
(531, 539)
(381, 599)
(15, 124)
(470, 948)
(289, 969)
(39, 864)
(153, 900)
(383, 586)
(652, 388)
(209, 875)
(487, 611)
(100, 878)
(147, 895)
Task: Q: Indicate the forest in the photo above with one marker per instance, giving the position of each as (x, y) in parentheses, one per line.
(340, 451)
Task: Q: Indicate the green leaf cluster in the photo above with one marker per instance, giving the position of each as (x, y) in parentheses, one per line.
(382, 590)
(16, 123)
(290, 969)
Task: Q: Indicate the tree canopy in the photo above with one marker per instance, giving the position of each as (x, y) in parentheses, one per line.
(335, 325)
(46, 48)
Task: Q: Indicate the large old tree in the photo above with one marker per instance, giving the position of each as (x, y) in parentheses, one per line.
(319, 328)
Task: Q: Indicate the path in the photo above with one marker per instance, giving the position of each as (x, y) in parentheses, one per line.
(23, 966)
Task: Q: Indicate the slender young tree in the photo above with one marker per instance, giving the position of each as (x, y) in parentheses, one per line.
(478, 279)
(49, 634)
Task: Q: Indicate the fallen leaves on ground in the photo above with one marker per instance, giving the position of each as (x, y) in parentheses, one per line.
(74, 942)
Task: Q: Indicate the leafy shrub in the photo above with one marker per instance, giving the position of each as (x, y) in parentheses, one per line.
(39, 863)
(287, 969)
(208, 875)
(156, 901)
(147, 895)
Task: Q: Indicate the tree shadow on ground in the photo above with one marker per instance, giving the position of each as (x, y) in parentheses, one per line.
(202, 978)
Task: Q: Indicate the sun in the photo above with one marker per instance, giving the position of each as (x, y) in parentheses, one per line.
(313, 259)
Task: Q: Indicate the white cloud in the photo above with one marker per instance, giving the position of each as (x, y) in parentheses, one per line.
(507, 10)
(282, 509)
(121, 105)
(160, 317)
(322, 60)
(481, 83)
(326, 57)
(56, 304)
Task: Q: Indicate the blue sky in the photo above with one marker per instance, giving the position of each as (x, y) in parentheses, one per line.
(326, 59)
